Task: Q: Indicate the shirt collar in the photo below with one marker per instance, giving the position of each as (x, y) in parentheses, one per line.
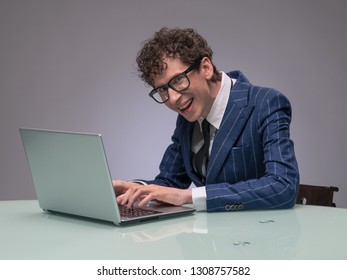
(216, 113)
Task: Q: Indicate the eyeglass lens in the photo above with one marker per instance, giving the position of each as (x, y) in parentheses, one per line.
(178, 83)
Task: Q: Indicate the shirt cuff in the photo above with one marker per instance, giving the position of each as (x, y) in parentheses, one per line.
(199, 198)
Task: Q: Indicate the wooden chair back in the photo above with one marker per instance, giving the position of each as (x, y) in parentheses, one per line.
(316, 195)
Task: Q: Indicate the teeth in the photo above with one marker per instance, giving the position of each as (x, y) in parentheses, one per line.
(186, 105)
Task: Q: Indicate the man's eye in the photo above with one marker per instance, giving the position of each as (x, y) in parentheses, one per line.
(162, 89)
(178, 79)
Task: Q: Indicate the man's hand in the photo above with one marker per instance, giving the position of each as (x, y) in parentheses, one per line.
(129, 192)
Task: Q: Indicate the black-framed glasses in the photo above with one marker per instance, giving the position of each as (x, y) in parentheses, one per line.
(178, 83)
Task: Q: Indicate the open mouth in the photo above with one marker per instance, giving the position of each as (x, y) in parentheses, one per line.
(185, 106)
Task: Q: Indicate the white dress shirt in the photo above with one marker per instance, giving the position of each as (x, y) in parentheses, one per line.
(214, 117)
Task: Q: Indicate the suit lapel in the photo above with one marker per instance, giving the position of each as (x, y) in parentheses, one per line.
(234, 120)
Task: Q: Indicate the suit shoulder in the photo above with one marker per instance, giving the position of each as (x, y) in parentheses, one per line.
(258, 93)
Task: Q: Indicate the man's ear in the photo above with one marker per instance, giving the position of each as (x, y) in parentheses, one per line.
(206, 67)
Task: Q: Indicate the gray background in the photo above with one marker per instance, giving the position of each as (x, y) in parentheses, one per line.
(70, 65)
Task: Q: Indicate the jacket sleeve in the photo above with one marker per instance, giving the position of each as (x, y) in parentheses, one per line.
(172, 170)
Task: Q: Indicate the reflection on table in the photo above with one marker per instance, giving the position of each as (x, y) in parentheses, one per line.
(304, 232)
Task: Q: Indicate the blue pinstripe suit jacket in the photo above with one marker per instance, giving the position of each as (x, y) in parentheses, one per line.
(252, 163)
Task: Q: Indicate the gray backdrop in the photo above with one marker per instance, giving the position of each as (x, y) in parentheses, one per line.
(70, 65)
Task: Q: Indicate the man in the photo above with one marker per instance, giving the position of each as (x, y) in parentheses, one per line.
(231, 138)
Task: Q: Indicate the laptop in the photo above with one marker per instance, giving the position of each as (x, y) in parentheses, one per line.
(71, 176)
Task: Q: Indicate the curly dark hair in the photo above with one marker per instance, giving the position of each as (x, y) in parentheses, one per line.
(185, 44)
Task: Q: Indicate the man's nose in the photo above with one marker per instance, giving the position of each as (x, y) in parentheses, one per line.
(173, 96)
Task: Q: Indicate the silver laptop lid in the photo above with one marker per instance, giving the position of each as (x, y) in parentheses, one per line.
(70, 173)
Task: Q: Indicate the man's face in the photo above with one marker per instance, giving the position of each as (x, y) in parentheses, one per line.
(196, 101)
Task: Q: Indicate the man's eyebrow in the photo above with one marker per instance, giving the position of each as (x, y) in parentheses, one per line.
(173, 76)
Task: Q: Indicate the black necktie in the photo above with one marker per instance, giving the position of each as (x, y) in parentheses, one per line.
(201, 158)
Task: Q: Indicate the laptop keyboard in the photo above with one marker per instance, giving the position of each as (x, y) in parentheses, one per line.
(135, 212)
